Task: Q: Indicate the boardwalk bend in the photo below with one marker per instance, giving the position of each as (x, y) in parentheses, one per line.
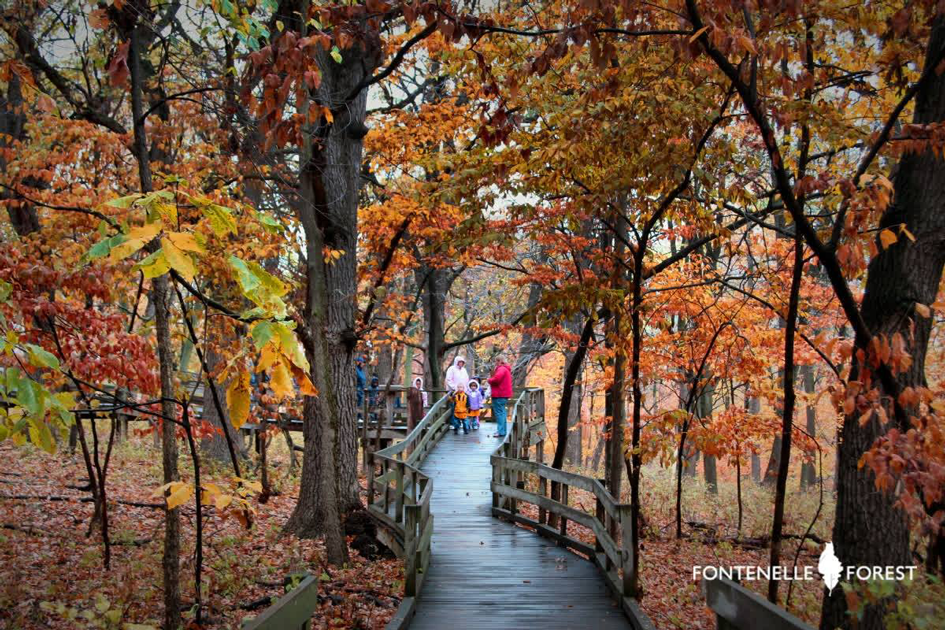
(476, 568)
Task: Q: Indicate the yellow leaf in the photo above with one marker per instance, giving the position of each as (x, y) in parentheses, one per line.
(145, 232)
(125, 249)
(179, 495)
(887, 238)
(178, 260)
(267, 357)
(185, 241)
(280, 381)
(906, 232)
(222, 501)
(237, 399)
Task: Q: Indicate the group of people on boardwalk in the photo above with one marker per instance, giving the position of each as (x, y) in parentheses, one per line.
(468, 398)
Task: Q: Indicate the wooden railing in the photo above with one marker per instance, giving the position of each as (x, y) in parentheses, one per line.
(513, 471)
(737, 608)
(399, 497)
(293, 611)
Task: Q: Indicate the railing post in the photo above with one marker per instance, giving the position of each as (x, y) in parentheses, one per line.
(385, 468)
(626, 543)
(370, 475)
(564, 501)
(411, 518)
(602, 519)
(399, 497)
(496, 479)
(542, 481)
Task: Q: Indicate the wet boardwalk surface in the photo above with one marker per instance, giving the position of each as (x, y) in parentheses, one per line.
(489, 574)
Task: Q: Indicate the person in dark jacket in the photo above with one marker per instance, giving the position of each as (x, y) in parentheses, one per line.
(361, 379)
(415, 403)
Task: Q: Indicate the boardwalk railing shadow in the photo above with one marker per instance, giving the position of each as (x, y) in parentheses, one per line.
(399, 499)
(513, 469)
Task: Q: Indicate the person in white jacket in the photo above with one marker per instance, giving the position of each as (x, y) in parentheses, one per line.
(456, 381)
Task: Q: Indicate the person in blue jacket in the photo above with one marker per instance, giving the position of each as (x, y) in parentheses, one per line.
(361, 378)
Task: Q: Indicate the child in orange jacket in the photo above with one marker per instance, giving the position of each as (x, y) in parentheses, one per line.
(460, 411)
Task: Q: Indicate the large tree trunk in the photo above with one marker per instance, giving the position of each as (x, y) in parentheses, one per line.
(23, 215)
(435, 284)
(329, 183)
(869, 529)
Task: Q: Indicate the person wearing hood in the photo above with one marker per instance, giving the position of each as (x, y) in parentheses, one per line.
(457, 378)
(416, 402)
(475, 400)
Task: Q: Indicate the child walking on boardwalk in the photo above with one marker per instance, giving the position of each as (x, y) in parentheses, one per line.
(460, 411)
(475, 404)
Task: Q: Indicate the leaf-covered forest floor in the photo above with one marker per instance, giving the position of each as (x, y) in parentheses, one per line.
(52, 576)
(51, 573)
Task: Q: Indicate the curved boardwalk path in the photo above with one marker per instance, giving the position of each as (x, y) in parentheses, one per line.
(489, 574)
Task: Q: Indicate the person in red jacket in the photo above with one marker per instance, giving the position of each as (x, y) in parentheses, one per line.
(501, 384)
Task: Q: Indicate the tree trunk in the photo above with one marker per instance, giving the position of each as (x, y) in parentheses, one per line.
(23, 215)
(787, 417)
(531, 345)
(753, 406)
(160, 299)
(435, 288)
(329, 183)
(808, 471)
(216, 446)
(703, 411)
(868, 528)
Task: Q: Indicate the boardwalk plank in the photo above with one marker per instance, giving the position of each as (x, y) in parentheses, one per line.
(489, 574)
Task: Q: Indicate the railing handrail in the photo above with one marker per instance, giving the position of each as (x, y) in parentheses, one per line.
(610, 524)
(742, 609)
(428, 419)
(404, 509)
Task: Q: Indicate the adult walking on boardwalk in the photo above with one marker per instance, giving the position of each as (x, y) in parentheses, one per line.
(501, 384)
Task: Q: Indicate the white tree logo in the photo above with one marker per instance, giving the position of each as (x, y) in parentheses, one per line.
(830, 567)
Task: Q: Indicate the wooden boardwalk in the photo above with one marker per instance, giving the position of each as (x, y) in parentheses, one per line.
(489, 574)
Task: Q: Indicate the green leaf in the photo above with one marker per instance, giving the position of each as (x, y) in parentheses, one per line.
(154, 265)
(29, 395)
(269, 223)
(336, 54)
(261, 333)
(5, 290)
(102, 248)
(221, 219)
(41, 436)
(39, 357)
(123, 202)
